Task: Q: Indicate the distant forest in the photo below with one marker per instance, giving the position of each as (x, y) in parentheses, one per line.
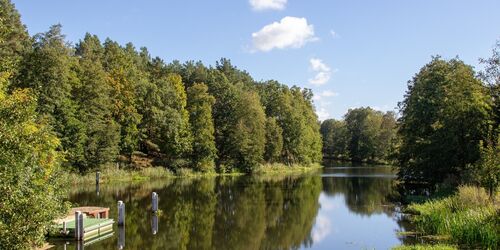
(364, 135)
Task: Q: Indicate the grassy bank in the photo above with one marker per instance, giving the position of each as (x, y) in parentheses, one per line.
(119, 175)
(113, 174)
(425, 247)
(467, 218)
(278, 168)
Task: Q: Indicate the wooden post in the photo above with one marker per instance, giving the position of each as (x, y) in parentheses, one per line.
(154, 201)
(79, 233)
(121, 213)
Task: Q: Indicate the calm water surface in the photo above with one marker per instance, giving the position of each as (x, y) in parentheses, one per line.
(339, 207)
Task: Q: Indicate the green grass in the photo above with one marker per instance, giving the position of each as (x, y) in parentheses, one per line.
(113, 174)
(425, 247)
(278, 168)
(468, 218)
(110, 174)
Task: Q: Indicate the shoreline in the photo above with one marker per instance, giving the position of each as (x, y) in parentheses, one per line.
(110, 175)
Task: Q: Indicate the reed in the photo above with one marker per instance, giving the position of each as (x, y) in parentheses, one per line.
(425, 247)
(469, 218)
(111, 174)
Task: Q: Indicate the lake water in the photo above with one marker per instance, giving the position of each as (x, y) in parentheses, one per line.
(339, 207)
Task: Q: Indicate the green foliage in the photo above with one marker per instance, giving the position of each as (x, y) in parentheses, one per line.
(363, 135)
(175, 135)
(491, 75)
(92, 97)
(294, 113)
(274, 140)
(249, 132)
(123, 75)
(362, 127)
(468, 217)
(202, 127)
(30, 194)
(335, 138)
(487, 170)
(445, 115)
(14, 39)
(49, 70)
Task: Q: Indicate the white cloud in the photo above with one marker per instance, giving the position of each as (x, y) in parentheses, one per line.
(322, 228)
(329, 93)
(325, 93)
(320, 78)
(318, 65)
(323, 72)
(322, 114)
(333, 33)
(268, 4)
(290, 32)
(326, 203)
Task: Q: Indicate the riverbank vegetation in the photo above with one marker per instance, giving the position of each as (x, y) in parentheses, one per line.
(71, 109)
(468, 218)
(425, 247)
(448, 136)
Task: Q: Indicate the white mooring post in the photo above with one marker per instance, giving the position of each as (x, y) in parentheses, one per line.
(154, 202)
(121, 238)
(65, 228)
(97, 177)
(121, 213)
(154, 224)
(79, 226)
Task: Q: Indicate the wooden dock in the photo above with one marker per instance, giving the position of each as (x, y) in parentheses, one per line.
(92, 228)
(94, 224)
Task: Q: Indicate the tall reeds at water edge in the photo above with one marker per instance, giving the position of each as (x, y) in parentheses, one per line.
(468, 218)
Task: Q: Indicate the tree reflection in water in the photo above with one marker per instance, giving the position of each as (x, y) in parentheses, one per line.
(344, 207)
(213, 213)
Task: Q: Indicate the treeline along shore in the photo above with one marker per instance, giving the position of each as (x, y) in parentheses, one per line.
(108, 103)
(73, 109)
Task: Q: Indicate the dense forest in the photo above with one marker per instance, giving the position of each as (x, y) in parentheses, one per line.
(106, 102)
(364, 135)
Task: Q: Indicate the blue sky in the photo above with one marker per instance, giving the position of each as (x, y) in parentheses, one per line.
(351, 53)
